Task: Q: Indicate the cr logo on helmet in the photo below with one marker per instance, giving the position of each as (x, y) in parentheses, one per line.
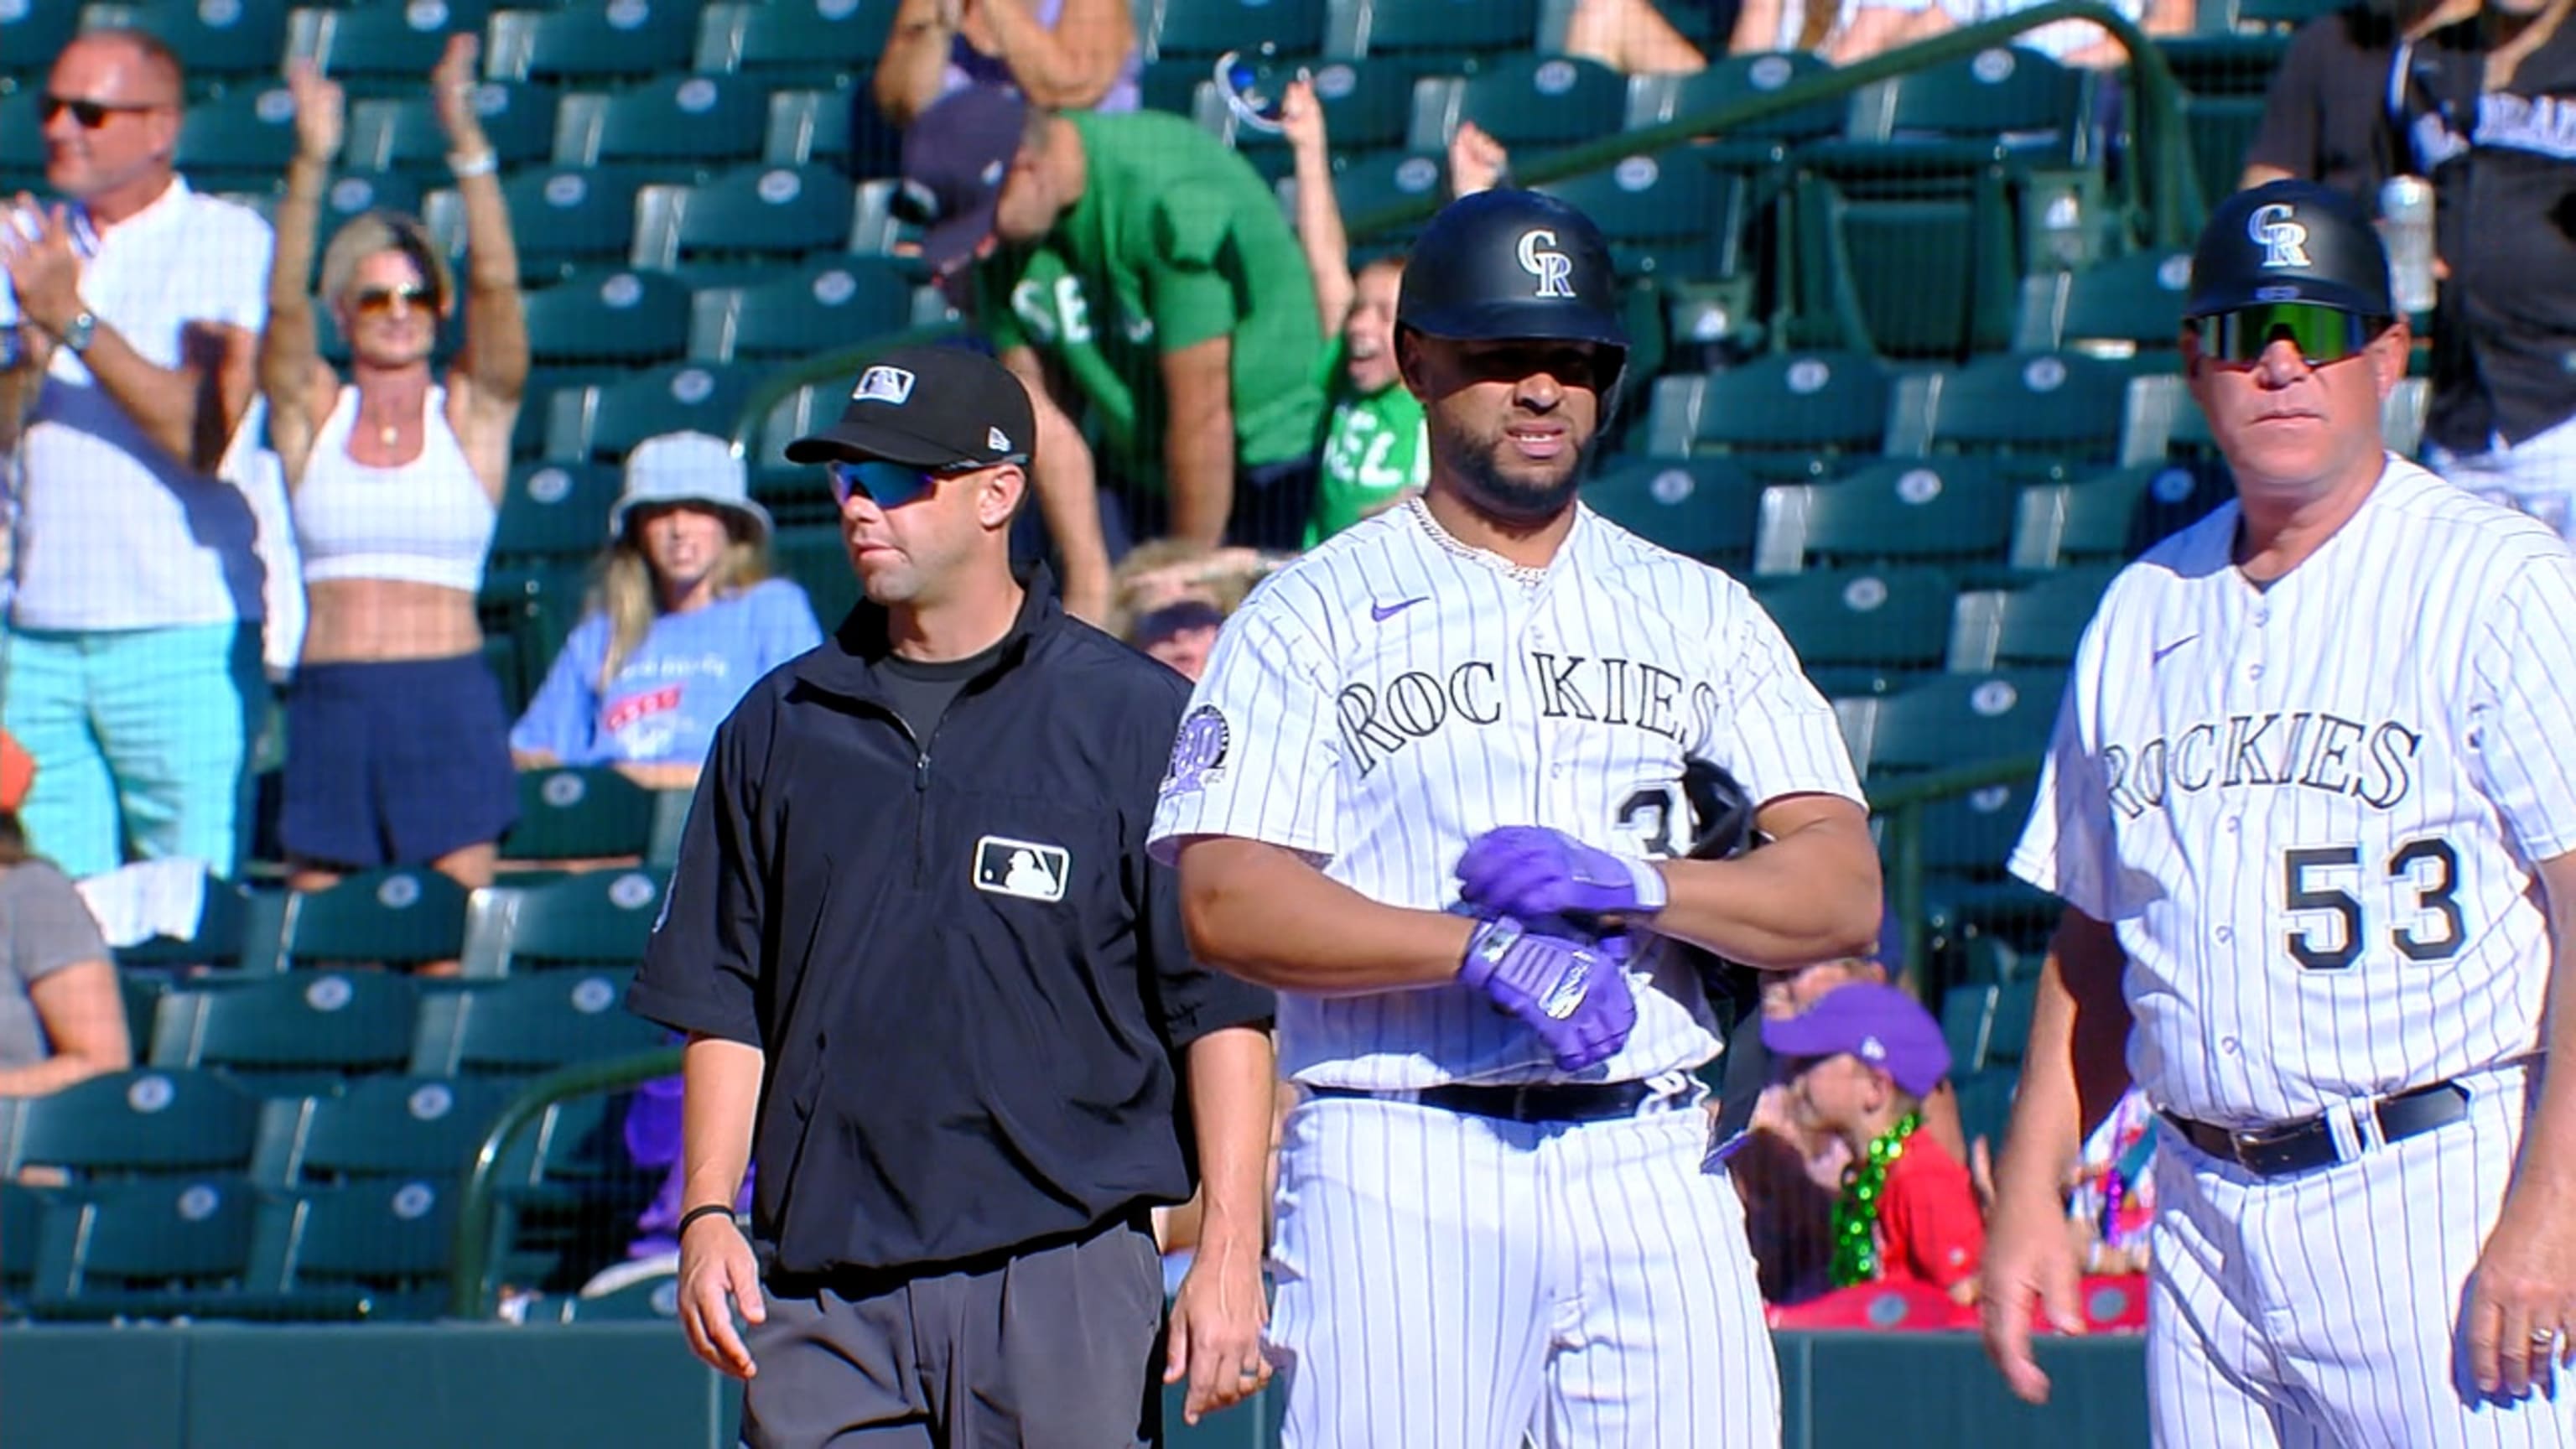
(2284, 240)
(1554, 269)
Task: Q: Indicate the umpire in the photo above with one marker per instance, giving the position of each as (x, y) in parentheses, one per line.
(930, 978)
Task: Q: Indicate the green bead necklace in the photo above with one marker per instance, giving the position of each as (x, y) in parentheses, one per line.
(1856, 1209)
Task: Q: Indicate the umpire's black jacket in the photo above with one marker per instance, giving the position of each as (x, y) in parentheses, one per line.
(957, 1064)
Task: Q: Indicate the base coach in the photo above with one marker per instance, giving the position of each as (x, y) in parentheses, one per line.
(931, 980)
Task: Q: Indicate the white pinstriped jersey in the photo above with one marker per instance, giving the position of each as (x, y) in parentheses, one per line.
(1394, 693)
(2313, 811)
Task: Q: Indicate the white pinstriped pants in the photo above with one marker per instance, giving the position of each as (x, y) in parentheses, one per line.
(2323, 1309)
(1456, 1282)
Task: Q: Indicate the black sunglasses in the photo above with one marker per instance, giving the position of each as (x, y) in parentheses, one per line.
(90, 114)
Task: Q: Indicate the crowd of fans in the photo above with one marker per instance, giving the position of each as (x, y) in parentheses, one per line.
(198, 493)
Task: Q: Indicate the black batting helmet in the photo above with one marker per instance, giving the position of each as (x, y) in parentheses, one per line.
(1509, 264)
(2289, 241)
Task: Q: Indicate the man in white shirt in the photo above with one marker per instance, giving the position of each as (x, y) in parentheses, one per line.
(132, 670)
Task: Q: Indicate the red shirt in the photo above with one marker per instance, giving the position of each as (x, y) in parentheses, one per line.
(1928, 1227)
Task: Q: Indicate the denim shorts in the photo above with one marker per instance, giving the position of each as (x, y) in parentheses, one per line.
(395, 762)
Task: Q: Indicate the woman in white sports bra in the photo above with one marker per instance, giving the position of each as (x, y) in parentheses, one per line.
(397, 737)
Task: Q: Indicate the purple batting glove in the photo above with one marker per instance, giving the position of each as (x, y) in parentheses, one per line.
(1572, 992)
(1530, 871)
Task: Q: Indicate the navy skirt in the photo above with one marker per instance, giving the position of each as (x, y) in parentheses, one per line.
(396, 762)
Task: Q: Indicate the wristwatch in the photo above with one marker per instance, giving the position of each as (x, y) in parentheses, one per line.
(78, 334)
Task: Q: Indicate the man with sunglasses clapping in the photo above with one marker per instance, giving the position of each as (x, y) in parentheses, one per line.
(2309, 810)
(133, 657)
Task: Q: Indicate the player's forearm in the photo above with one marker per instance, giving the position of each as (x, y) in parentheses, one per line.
(1263, 914)
(1232, 1077)
(719, 1098)
(1198, 466)
(1814, 894)
(2074, 1066)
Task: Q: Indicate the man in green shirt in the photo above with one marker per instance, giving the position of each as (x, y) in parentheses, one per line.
(1138, 260)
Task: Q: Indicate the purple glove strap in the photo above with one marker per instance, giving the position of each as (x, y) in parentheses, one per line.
(1572, 993)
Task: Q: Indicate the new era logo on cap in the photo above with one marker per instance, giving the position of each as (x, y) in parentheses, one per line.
(997, 440)
(883, 384)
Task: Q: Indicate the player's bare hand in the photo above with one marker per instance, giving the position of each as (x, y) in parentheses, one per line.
(2030, 1275)
(717, 1274)
(2522, 1301)
(1215, 1337)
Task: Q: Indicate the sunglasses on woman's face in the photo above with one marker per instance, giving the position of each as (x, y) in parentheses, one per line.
(378, 301)
(90, 114)
(888, 485)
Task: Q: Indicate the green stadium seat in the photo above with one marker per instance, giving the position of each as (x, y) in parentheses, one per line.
(1985, 1104)
(1899, 250)
(376, 1250)
(143, 1122)
(579, 814)
(806, 126)
(381, 50)
(231, 922)
(1974, 832)
(819, 562)
(1956, 719)
(535, 605)
(591, 40)
(705, 121)
(288, 1035)
(2039, 623)
(759, 213)
(2042, 415)
(596, 918)
(619, 316)
(378, 1128)
(1681, 214)
(22, 139)
(2020, 98)
(821, 43)
(245, 135)
(22, 1214)
(1862, 631)
(829, 304)
(525, 1025)
(2223, 63)
(402, 134)
(1953, 511)
(222, 45)
(1524, 101)
(605, 420)
(2103, 519)
(1700, 507)
(1382, 180)
(1788, 415)
(1193, 29)
(31, 35)
(1654, 100)
(403, 916)
(1467, 29)
(557, 511)
(143, 1250)
(2128, 307)
(563, 217)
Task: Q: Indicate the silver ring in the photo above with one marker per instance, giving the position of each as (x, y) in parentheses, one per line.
(2544, 1335)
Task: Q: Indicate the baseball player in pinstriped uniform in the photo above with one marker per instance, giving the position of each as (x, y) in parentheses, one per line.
(1430, 788)
(2310, 810)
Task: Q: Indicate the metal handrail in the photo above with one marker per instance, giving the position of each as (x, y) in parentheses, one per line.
(2173, 184)
(1902, 803)
(469, 1290)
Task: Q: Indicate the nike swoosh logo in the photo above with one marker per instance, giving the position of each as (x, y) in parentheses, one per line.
(1380, 613)
(2161, 650)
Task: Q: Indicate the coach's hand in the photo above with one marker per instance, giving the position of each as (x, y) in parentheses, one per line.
(716, 1272)
(1215, 1335)
(2524, 1289)
(1530, 871)
(2030, 1264)
(1573, 992)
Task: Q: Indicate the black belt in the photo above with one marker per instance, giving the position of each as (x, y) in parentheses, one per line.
(1523, 1101)
(2302, 1146)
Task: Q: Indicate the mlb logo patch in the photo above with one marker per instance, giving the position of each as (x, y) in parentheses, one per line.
(883, 384)
(1029, 869)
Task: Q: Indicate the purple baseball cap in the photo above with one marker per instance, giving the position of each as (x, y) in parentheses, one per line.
(956, 156)
(1881, 1025)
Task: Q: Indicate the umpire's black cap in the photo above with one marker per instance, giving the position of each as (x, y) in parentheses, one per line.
(930, 406)
(2289, 241)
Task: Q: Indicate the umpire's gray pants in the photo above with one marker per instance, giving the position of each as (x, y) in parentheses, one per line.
(1052, 1350)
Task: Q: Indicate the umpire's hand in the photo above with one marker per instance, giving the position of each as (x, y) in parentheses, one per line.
(1214, 1340)
(716, 1265)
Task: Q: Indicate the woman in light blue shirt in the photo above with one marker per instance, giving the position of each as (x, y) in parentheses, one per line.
(683, 620)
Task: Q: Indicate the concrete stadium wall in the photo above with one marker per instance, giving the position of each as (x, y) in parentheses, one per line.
(577, 1386)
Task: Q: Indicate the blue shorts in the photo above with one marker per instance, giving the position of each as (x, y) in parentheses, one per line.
(395, 763)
